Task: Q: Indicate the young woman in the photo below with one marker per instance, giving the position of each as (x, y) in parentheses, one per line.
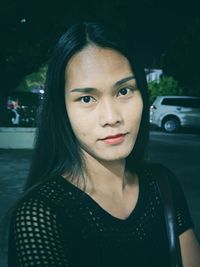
(91, 200)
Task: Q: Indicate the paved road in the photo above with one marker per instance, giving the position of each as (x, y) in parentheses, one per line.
(180, 152)
(14, 166)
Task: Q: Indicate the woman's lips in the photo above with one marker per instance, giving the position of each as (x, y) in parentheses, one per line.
(114, 139)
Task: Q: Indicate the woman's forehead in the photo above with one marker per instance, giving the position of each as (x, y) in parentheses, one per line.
(94, 55)
(97, 64)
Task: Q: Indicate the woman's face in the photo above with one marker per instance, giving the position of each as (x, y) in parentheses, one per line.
(103, 103)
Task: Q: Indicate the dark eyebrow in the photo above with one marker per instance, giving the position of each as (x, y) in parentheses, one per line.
(86, 90)
(90, 90)
(125, 80)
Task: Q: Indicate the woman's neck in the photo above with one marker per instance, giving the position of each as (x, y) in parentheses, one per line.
(107, 177)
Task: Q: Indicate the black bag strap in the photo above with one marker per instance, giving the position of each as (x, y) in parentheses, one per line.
(162, 176)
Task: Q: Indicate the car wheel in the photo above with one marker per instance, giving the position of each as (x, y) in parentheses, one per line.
(170, 125)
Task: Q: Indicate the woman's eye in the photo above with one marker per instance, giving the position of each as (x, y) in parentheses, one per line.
(87, 99)
(124, 91)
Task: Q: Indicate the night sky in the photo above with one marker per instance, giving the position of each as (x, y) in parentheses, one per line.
(30, 28)
(154, 23)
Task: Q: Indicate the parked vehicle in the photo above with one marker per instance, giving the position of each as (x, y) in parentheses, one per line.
(172, 112)
(21, 110)
(23, 116)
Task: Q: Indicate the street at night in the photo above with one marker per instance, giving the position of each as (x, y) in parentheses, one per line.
(179, 152)
(143, 51)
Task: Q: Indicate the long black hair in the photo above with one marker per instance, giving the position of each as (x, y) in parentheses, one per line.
(57, 150)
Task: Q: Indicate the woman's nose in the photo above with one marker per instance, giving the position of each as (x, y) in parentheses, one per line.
(109, 113)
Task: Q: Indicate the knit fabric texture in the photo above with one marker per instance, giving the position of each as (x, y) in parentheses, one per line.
(57, 224)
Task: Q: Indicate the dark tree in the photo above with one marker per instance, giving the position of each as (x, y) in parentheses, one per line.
(183, 58)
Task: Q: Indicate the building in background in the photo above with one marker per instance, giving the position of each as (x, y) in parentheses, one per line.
(153, 75)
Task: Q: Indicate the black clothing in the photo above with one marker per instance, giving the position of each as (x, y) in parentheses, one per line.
(57, 224)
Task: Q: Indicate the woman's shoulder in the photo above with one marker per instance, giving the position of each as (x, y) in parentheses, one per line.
(156, 173)
(51, 194)
(158, 170)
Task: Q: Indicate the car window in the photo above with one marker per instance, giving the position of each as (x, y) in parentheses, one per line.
(182, 102)
(195, 103)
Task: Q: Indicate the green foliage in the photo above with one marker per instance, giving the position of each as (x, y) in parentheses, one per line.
(33, 80)
(166, 86)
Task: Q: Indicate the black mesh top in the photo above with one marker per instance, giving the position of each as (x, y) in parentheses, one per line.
(57, 224)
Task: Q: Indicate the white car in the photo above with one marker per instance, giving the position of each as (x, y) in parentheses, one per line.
(172, 112)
